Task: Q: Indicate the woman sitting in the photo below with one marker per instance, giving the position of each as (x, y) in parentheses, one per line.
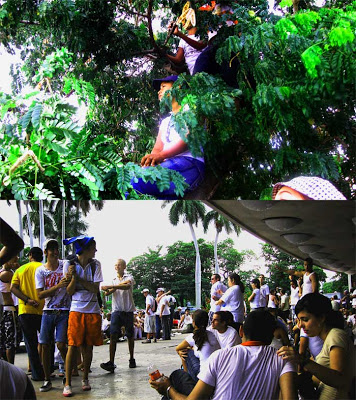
(332, 369)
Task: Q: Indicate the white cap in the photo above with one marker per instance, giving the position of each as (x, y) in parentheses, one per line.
(145, 290)
(160, 289)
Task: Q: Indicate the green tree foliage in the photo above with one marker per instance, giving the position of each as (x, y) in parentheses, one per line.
(291, 112)
(174, 269)
(339, 283)
(278, 262)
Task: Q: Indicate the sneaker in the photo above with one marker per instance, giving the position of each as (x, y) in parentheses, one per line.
(155, 340)
(146, 341)
(108, 366)
(67, 391)
(47, 385)
(86, 385)
(132, 363)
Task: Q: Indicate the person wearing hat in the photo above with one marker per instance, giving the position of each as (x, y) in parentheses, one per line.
(122, 315)
(30, 308)
(51, 286)
(150, 318)
(170, 151)
(306, 188)
(84, 323)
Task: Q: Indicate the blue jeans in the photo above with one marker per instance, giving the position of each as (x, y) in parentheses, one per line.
(165, 327)
(182, 382)
(192, 170)
(51, 321)
(193, 365)
(158, 327)
(31, 324)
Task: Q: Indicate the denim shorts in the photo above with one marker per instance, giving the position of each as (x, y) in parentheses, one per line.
(120, 319)
(54, 321)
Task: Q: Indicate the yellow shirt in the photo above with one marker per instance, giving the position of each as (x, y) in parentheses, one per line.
(24, 278)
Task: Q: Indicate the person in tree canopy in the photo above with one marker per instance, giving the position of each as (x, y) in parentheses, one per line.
(170, 151)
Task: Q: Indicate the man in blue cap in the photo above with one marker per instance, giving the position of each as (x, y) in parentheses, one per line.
(170, 151)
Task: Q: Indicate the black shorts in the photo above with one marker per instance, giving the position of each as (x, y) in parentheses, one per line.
(120, 319)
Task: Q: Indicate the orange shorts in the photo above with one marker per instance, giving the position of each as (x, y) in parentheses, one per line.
(84, 329)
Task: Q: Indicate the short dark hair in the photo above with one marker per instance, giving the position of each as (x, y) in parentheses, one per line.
(217, 277)
(36, 253)
(319, 305)
(84, 245)
(224, 316)
(256, 282)
(259, 325)
(309, 261)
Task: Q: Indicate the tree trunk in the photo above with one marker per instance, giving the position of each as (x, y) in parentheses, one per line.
(63, 226)
(18, 204)
(197, 269)
(29, 225)
(217, 269)
(42, 229)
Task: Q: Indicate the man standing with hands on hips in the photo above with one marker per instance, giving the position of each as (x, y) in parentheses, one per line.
(123, 307)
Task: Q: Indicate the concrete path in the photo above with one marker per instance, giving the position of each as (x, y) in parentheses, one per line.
(126, 383)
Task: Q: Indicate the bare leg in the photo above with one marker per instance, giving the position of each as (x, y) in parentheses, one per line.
(46, 361)
(88, 356)
(131, 343)
(70, 358)
(113, 340)
(10, 355)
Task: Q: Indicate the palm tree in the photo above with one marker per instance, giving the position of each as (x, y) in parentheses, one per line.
(220, 223)
(191, 211)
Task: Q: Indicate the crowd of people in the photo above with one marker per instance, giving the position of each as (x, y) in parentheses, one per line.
(297, 344)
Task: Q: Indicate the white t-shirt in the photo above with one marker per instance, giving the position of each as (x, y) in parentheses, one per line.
(245, 373)
(255, 303)
(234, 302)
(150, 301)
(284, 302)
(166, 311)
(15, 379)
(84, 301)
(122, 300)
(207, 349)
(264, 294)
(354, 299)
(315, 343)
(170, 137)
(190, 53)
(214, 292)
(336, 338)
(45, 279)
(227, 339)
(307, 285)
(294, 295)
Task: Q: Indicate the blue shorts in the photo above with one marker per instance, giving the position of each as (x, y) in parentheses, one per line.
(192, 170)
(120, 319)
(50, 322)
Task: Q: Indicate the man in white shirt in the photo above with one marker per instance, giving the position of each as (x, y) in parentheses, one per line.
(264, 291)
(215, 294)
(251, 370)
(310, 280)
(150, 317)
(51, 285)
(226, 335)
(123, 308)
(164, 313)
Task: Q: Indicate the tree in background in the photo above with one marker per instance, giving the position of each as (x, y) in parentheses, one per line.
(277, 262)
(174, 269)
(339, 283)
(290, 114)
(191, 212)
(220, 222)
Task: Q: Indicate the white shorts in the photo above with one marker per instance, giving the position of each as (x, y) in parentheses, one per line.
(150, 324)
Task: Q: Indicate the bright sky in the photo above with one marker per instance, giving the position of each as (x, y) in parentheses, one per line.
(126, 229)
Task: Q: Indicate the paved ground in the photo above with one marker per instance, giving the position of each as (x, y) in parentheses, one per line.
(125, 383)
